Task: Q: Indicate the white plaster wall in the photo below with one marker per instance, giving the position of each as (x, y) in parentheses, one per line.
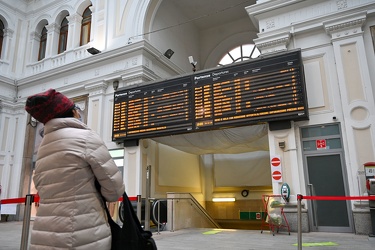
(337, 51)
(182, 39)
(178, 169)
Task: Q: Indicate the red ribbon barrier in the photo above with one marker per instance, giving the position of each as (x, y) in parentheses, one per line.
(335, 198)
(13, 200)
(36, 199)
(301, 197)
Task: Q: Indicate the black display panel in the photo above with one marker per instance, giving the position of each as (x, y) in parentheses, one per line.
(260, 90)
(154, 109)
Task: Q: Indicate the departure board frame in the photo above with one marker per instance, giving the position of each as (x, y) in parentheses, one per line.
(260, 90)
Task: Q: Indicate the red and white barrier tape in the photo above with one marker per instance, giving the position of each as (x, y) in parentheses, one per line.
(337, 198)
(36, 199)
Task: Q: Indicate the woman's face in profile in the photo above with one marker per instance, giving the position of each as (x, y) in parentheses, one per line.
(76, 114)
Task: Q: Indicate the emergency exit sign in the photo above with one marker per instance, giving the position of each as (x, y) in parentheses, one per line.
(321, 144)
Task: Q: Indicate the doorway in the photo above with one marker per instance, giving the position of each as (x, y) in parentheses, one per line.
(325, 175)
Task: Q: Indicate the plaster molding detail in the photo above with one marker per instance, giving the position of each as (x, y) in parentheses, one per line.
(12, 108)
(98, 88)
(8, 32)
(53, 27)
(273, 43)
(81, 105)
(270, 24)
(342, 4)
(138, 75)
(34, 35)
(345, 27)
(74, 18)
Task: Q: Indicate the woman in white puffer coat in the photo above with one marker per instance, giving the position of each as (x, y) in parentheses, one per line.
(69, 160)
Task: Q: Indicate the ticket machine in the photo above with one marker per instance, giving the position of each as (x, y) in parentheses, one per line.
(370, 185)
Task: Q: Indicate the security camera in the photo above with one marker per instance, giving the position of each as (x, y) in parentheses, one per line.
(191, 61)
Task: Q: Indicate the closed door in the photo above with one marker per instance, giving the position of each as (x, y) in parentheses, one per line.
(325, 178)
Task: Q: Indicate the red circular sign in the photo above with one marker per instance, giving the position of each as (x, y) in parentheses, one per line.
(276, 175)
(275, 161)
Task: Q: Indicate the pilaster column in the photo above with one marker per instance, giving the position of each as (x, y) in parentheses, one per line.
(12, 134)
(34, 46)
(74, 31)
(133, 170)
(96, 105)
(7, 43)
(53, 31)
(290, 167)
(357, 98)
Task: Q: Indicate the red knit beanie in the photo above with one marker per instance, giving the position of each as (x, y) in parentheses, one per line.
(48, 105)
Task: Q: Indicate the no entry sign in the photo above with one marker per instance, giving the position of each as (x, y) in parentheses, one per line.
(276, 170)
(276, 175)
(275, 161)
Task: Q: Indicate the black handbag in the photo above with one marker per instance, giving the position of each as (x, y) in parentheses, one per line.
(131, 235)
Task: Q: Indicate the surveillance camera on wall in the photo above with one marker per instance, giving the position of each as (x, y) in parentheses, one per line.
(191, 61)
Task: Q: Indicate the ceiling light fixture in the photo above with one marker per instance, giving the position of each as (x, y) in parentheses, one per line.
(226, 199)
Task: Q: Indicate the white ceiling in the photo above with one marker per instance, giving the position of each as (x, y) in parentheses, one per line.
(211, 13)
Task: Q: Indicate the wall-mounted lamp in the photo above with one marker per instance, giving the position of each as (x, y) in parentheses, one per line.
(115, 85)
(93, 51)
(169, 53)
(281, 144)
(192, 62)
(227, 199)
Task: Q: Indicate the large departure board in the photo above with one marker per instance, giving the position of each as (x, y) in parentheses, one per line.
(260, 90)
(152, 109)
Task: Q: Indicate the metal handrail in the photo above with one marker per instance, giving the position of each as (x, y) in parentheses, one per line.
(197, 205)
(157, 202)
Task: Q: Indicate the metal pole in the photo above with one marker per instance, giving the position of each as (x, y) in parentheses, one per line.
(172, 221)
(26, 222)
(147, 203)
(139, 207)
(158, 216)
(299, 221)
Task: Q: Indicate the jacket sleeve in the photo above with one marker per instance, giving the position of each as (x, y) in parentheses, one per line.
(104, 168)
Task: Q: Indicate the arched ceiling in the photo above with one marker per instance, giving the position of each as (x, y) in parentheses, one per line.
(211, 13)
(208, 14)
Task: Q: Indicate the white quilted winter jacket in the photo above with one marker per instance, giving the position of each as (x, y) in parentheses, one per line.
(70, 214)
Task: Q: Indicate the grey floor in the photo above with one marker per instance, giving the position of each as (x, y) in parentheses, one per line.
(207, 239)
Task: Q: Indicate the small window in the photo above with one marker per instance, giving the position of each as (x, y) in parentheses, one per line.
(321, 131)
(239, 54)
(86, 26)
(42, 44)
(1, 36)
(63, 38)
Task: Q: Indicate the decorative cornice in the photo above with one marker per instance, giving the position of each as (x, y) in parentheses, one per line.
(8, 32)
(273, 43)
(343, 27)
(347, 25)
(281, 41)
(12, 108)
(34, 34)
(75, 18)
(97, 88)
(138, 75)
(53, 27)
